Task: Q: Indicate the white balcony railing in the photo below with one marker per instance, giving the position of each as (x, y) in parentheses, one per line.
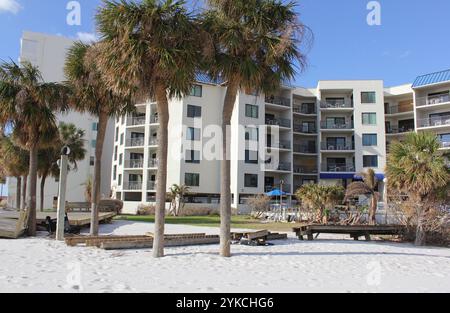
(136, 121)
(338, 168)
(135, 142)
(134, 164)
(434, 121)
(433, 100)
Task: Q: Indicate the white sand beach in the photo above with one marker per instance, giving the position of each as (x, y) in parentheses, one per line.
(325, 265)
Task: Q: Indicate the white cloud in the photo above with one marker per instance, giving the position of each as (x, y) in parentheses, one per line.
(11, 6)
(86, 37)
(405, 54)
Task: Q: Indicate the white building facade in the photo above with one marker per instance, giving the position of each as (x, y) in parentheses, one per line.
(49, 53)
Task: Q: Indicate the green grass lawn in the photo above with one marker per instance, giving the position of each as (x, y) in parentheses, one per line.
(240, 221)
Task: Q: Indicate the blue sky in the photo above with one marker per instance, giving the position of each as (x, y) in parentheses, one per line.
(412, 38)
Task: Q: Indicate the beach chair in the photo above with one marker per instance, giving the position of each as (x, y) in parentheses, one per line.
(14, 228)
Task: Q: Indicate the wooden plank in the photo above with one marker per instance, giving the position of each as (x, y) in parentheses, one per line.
(276, 236)
(257, 235)
(147, 244)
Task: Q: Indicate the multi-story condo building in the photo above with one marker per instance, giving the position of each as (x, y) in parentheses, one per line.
(328, 134)
(49, 53)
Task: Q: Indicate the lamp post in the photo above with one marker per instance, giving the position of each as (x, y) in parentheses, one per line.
(61, 213)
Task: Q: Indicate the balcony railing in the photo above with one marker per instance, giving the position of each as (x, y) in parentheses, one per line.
(286, 102)
(305, 129)
(153, 142)
(445, 145)
(304, 110)
(304, 149)
(282, 122)
(399, 130)
(431, 100)
(336, 105)
(133, 185)
(153, 163)
(338, 168)
(395, 109)
(137, 163)
(286, 188)
(135, 142)
(434, 121)
(305, 169)
(151, 185)
(154, 119)
(283, 144)
(282, 166)
(136, 121)
(327, 125)
(337, 147)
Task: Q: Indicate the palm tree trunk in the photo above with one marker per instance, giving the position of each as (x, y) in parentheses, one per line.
(420, 231)
(225, 189)
(373, 210)
(102, 125)
(18, 191)
(32, 190)
(24, 192)
(160, 212)
(41, 204)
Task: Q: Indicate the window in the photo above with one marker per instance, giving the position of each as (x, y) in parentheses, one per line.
(251, 157)
(370, 161)
(95, 127)
(251, 111)
(251, 181)
(196, 91)
(92, 161)
(194, 111)
(192, 180)
(121, 139)
(29, 47)
(117, 134)
(193, 134)
(115, 153)
(192, 156)
(370, 140)
(94, 143)
(252, 133)
(369, 118)
(119, 181)
(114, 172)
(368, 97)
(120, 159)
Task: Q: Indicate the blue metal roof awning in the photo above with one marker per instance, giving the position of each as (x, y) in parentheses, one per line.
(380, 177)
(431, 79)
(204, 78)
(336, 176)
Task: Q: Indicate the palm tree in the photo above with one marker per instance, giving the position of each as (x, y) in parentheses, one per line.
(69, 136)
(91, 94)
(255, 44)
(28, 105)
(416, 167)
(14, 162)
(320, 198)
(368, 188)
(177, 194)
(151, 48)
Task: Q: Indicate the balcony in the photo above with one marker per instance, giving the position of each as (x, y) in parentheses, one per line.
(396, 109)
(399, 130)
(153, 142)
(304, 110)
(337, 147)
(281, 101)
(281, 167)
(281, 122)
(434, 122)
(136, 121)
(306, 170)
(338, 168)
(134, 164)
(445, 145)
(154, 119)
(153, 163)
(306, 149)
(305, 129)
(336, 105)
(433, 100)
(286, 188)
(135, 142)
(282, 144)
(133, 185)
(334, 126)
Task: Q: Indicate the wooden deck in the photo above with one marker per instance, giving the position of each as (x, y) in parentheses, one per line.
(355, 232)
(76, 219)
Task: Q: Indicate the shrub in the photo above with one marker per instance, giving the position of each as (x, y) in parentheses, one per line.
(146, 210)
(193, 211)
